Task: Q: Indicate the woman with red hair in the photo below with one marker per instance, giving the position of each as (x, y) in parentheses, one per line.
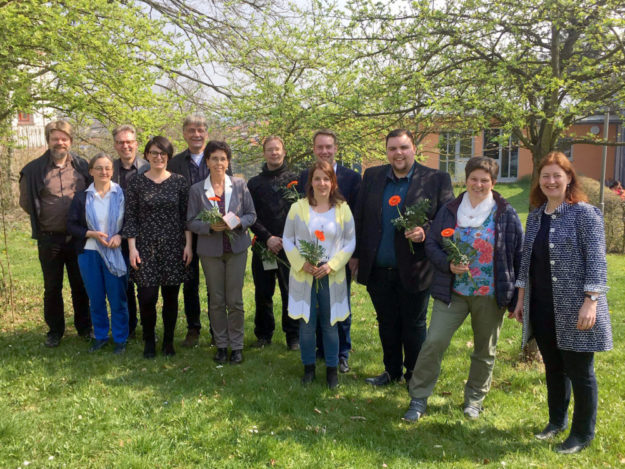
(562, 297)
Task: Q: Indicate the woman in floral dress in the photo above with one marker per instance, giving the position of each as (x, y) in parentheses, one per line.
(159, 246)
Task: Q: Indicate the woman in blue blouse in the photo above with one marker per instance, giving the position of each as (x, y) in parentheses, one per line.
(562, 302)
(95, 220)
(483, 288)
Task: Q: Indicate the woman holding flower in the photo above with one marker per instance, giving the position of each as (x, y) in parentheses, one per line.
(319, 239)
(562, 301)
(222, 245)
(475, 247)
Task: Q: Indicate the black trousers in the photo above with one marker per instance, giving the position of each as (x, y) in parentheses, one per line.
(148, 296)
(191, 292)
(401, 320)
(564, 369)
(265, 285)
(56, 252)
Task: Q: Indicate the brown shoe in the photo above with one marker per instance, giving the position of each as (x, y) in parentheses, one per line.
(192, 338)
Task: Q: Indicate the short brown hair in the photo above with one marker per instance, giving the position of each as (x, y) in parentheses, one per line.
(62, 126)
(327, 132)
(574, 192)
(484, 163)
(335, 195)
(99, 156)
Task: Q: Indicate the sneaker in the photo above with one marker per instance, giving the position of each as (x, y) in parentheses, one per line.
(119, 348)
(97, 344)
(343, 365)
(192, 338)
(472, 412)
(416, 409)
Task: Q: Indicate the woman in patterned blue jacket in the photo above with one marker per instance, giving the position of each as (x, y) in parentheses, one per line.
(562, 303)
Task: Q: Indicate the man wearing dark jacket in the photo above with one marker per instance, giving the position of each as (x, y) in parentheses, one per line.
(191, 164)
(269, 190)
(397, 280)
(47, 186)
(325, 147)
(126, 167)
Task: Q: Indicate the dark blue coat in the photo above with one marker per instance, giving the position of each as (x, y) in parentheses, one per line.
(507, 252)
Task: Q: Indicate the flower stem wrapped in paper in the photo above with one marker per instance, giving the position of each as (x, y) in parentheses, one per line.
(313, 252)
(458, 252)
(413, 216)
(269, 258)
(213, 216)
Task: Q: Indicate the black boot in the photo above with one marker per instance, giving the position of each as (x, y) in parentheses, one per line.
(168, 349)
(332, 378)
(309, 374)
(149, 350)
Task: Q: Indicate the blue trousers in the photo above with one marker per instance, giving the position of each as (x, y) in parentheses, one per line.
(100, 285)
(319, 312)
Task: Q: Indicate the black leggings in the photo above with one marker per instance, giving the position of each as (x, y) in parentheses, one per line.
(148, 296)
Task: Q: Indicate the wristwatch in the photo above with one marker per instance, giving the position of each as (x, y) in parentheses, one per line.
(592, 297)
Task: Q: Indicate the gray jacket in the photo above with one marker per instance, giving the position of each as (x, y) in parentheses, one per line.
(578, 265)
(238, 201)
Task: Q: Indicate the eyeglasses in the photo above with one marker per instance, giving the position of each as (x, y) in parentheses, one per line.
(157, 154)
(124, 142)
(102, 169)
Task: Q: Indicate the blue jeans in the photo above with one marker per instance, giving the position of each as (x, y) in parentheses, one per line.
(319, 311)
(100, 285)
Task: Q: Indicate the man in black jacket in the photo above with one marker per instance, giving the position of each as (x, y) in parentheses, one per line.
(192, 165)
(269, 190)
(47, 186)
(126, 167)
(397, 280)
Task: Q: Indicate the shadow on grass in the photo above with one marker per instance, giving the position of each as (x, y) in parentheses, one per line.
(252, 412)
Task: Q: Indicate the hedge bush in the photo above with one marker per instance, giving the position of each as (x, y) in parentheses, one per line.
(614, 214)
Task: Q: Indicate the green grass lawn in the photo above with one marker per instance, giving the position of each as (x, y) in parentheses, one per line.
(65, 407)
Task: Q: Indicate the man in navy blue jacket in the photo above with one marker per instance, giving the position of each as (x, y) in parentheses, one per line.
(397, 279)
(325, 146)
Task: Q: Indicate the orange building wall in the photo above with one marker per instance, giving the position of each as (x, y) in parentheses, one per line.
(586, 158)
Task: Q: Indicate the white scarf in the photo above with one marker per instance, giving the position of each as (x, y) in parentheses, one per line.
(469, 216)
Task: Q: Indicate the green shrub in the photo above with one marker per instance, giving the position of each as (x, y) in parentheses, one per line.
(614, 214)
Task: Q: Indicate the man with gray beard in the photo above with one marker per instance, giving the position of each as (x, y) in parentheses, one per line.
(47, 187)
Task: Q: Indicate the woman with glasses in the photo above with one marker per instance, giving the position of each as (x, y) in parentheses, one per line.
(158, 244)
(95, 221)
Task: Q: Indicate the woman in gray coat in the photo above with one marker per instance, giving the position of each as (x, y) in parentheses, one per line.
(222, 247)
(562, 297)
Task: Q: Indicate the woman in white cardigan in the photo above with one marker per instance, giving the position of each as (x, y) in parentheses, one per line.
(319, 292)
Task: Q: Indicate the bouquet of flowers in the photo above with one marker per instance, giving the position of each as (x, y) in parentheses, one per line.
(212, 215)
(266, 255)
(415, 215)
(289, 192)
(458, 252)
(313, 252)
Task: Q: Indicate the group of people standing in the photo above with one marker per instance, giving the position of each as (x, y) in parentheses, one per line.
(152, 221)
